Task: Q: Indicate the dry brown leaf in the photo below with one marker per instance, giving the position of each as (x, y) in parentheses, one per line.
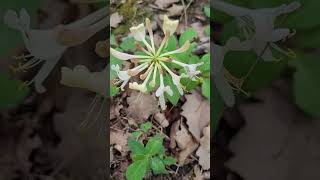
(115, 109)
(185, 142)
(165, 3)
(141, 106)
(120, 140)
(277, 143)
(175, 10)
(115, 19)
(204, 150)
(197, 111)
(173, 131)
(161, 119)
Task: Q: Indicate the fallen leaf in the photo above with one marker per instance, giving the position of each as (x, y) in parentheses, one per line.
(197, 111)
(120, 140)
(278, 142)
(141, 106)
(161, 119)
(203, 151)
(175, 10)
(115, 19)
(173, 131)
(185, 142)
(115, 109)
(165, 3)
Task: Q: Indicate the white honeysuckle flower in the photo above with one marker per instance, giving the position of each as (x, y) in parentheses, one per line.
(191, 69)
(154, 60)
(160, 93)
(45, 46)
(221, 83)
(258, 26)
(175, 78)
(123, 76)
(81, 77)
(169, 25)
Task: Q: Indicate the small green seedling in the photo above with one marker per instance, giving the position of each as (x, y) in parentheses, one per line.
(147, 157)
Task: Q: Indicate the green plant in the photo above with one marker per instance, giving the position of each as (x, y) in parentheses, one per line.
(147, 157)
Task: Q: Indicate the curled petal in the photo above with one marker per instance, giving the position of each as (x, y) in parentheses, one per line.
(138, 32)
(125, 56)
(140, 87)
(169, 25)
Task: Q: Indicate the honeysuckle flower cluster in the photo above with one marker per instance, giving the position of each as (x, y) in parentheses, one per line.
(260, 36)
(154, 62)
(47, 46)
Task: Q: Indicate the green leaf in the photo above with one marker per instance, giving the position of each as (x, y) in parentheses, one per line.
(113, 41)
(305, 16)
(128, 44)
(10, 38)
(189, 84)
(206, 65)
(176, 95)
(135, 146)
(138, 157)
(307, 84)
(145, 127)
(206, 10)
(172, 43)
(188, 34)
(206, 88)
(169, 160)
(154, 146)
(263, 73)
(157, 166)
(308, 38)
(114, 90)
(114, 60)
(136, 134)
(207, 31)
(137, 170)
(11, 91)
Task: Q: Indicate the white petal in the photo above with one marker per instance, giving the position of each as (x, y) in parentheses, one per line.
(169, 25)
(138, 32)
(140, 87)
(162, 102)
(25, 19)
(11, 19)
(125, 56)
(169, 90)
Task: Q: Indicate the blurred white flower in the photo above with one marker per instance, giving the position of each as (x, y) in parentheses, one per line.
(160, 93)
(257, 25)
(47, 46)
